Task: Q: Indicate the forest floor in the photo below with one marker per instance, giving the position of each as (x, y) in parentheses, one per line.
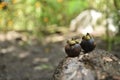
(33, 60)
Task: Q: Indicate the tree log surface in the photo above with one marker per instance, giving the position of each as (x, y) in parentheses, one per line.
(96, 65)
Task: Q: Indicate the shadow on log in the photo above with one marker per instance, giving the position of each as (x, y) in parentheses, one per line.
(97, 65)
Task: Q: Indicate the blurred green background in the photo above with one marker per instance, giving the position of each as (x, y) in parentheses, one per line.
(38, 13)
(37, 16)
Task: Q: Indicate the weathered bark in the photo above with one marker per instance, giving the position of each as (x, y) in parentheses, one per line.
(97, 65)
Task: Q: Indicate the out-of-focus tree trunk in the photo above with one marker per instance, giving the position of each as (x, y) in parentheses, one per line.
(117, 6)
(109, 41)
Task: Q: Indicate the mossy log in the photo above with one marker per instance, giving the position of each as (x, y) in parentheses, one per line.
(96, 65)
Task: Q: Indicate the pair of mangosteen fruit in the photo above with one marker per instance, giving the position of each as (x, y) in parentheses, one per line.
(74, 46)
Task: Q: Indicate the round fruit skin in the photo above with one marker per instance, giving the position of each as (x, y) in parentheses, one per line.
(88, 45)
(73, 51)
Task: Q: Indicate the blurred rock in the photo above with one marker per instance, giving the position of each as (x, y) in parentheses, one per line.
(97, 65)
(94, 22)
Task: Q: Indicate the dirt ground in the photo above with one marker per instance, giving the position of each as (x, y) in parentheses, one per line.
(32, 60)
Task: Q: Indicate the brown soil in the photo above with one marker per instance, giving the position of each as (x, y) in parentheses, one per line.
(30, 60)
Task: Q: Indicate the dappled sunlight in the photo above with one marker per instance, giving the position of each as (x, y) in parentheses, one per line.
(12, 36)
(8, 49)
(54, 38)
(43, 67)
(23, 54)
(38, 59)
(29, 60)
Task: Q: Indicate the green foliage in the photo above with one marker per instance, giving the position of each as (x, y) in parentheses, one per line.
(60, 11)
(74, 6)
(20, 15)
(116, 15)
(35, 15)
